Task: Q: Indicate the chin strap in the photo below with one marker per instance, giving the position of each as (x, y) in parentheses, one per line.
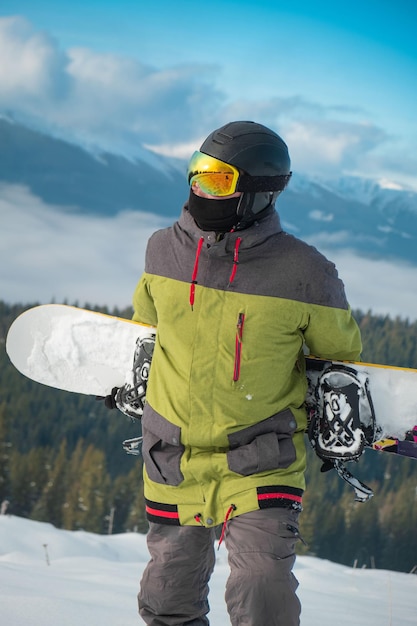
(252, 208)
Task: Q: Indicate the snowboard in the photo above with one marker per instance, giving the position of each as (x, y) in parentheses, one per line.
(383, 398)
(87, 352)
(74, 349)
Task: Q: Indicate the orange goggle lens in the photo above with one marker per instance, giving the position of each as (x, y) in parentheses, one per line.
(212, 175)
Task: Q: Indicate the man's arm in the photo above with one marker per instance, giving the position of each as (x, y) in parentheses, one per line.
(333, 334)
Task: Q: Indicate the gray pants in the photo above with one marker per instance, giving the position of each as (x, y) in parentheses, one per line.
(261, 586)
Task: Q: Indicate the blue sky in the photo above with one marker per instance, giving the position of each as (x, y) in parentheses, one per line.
(336, 80)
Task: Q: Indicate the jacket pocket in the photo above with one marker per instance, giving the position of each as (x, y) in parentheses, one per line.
(161, 449)
(265, 446)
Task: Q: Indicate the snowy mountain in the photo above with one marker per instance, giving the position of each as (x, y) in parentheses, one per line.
(50, 576)
(377, 220)
(58, 196)
(370, 218)
(86, 179)
(374, 219)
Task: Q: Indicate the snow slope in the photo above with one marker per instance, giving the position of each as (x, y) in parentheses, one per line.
(93, 579)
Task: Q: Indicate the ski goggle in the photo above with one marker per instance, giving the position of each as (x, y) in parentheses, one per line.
(218, 178)
(212, 175)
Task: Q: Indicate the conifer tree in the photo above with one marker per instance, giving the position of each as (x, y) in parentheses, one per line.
(399, 550)
(87, 503)
(72, 495)
(136, 520)
(363, 535)
(5, 454)
(49, 507)
(122, 494)
(28, 476)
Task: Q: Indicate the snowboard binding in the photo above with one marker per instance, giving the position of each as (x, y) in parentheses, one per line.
(131, 398)
(341, 421)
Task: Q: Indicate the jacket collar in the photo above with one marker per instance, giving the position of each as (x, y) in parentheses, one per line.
(250, 237)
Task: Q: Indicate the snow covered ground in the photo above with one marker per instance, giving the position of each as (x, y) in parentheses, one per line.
(51, 577)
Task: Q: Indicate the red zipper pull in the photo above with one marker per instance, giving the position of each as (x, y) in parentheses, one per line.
(230, 510)
(238, 346)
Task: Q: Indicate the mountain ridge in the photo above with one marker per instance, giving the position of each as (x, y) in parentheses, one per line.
(373, 218)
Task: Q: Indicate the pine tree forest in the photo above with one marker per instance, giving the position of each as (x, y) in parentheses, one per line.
(61, 461)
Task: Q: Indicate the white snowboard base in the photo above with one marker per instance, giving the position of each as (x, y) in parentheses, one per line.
(74, 349)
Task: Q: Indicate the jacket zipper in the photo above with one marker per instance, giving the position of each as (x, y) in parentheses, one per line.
(238, 346)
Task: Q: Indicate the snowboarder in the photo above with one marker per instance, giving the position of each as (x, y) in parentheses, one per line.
(236, 301)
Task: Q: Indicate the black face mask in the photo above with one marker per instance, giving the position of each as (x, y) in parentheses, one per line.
(217, 215)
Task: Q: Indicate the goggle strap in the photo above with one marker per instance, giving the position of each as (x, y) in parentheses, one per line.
(258, 184)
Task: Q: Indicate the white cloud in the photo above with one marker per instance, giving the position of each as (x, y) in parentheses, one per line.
(100, 98)
(146, 102)
(177, 150)
(376, 285)
(32, 66)
(54, 255)
(332, 145)
(118, 103)
(326, 140)
(321, 216)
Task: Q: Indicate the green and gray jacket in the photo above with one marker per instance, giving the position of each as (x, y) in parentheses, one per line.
(224, 422)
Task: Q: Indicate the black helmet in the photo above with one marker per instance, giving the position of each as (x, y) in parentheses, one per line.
(253, 148)
(263, 160)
